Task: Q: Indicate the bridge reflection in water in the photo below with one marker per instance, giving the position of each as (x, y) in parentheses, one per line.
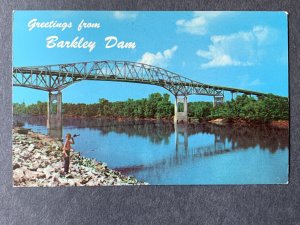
(160, 152)
(183, 152)
(181, 143)
(223, 139)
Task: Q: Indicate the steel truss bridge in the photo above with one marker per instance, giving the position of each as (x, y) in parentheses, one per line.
(54, 78)
(57, 77)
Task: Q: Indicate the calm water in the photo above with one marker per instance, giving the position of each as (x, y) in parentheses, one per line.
(159, 153)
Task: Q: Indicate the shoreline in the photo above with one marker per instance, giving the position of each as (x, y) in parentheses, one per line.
(282, 124)
(38, 162)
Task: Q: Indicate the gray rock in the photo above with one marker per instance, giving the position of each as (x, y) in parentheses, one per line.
(18, 175)
(16, 166)
(38, 163)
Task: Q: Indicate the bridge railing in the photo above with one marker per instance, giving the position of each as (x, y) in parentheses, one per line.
(56, 77)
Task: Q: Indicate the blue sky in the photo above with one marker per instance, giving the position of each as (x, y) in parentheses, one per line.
(247, 50)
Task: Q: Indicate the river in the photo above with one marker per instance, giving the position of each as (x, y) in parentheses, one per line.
(160, 153)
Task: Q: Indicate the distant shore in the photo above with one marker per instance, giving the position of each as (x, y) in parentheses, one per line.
(37, 161)
(283, 124)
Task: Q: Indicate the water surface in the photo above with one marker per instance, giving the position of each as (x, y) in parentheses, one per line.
(160, 153)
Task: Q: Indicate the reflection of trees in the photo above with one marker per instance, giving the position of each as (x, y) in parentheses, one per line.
(32, 120)
(157, 131)
(240, 137)
(246, 136)
(237, 138)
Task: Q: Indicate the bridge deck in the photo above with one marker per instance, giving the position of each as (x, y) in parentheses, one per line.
(57, 77)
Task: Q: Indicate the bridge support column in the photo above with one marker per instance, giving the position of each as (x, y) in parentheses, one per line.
(218, 100)
(54, 115)
(181, 116)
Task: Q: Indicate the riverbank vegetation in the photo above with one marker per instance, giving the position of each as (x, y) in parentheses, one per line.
(266, 108)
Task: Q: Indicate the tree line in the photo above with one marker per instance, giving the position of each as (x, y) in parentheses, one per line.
(266, 108)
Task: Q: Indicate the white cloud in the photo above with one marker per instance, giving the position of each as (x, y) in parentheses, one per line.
(261, 33)
(122, 15)
(160, 58)
(236, 49)
(198, 24)
(247, 82)
(255, 82)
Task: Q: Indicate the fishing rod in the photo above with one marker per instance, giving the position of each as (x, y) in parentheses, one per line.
(74, 136)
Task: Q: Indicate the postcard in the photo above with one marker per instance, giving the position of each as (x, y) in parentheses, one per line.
(104, 98)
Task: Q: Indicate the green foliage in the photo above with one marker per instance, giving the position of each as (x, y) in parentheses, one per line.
(265, 108)
(155, 106)
(40, 108)
(199, 109)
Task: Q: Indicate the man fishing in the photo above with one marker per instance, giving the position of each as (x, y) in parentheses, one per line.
(66, 151)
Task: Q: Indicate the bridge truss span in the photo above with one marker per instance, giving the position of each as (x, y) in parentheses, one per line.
(54, 78)
(57, 77)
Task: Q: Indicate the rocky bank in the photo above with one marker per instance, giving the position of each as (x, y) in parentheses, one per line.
(38, 161)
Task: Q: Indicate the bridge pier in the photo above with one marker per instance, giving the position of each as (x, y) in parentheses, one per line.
(181, 130)
(181, 116)
(54, 115)
(218, 100)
